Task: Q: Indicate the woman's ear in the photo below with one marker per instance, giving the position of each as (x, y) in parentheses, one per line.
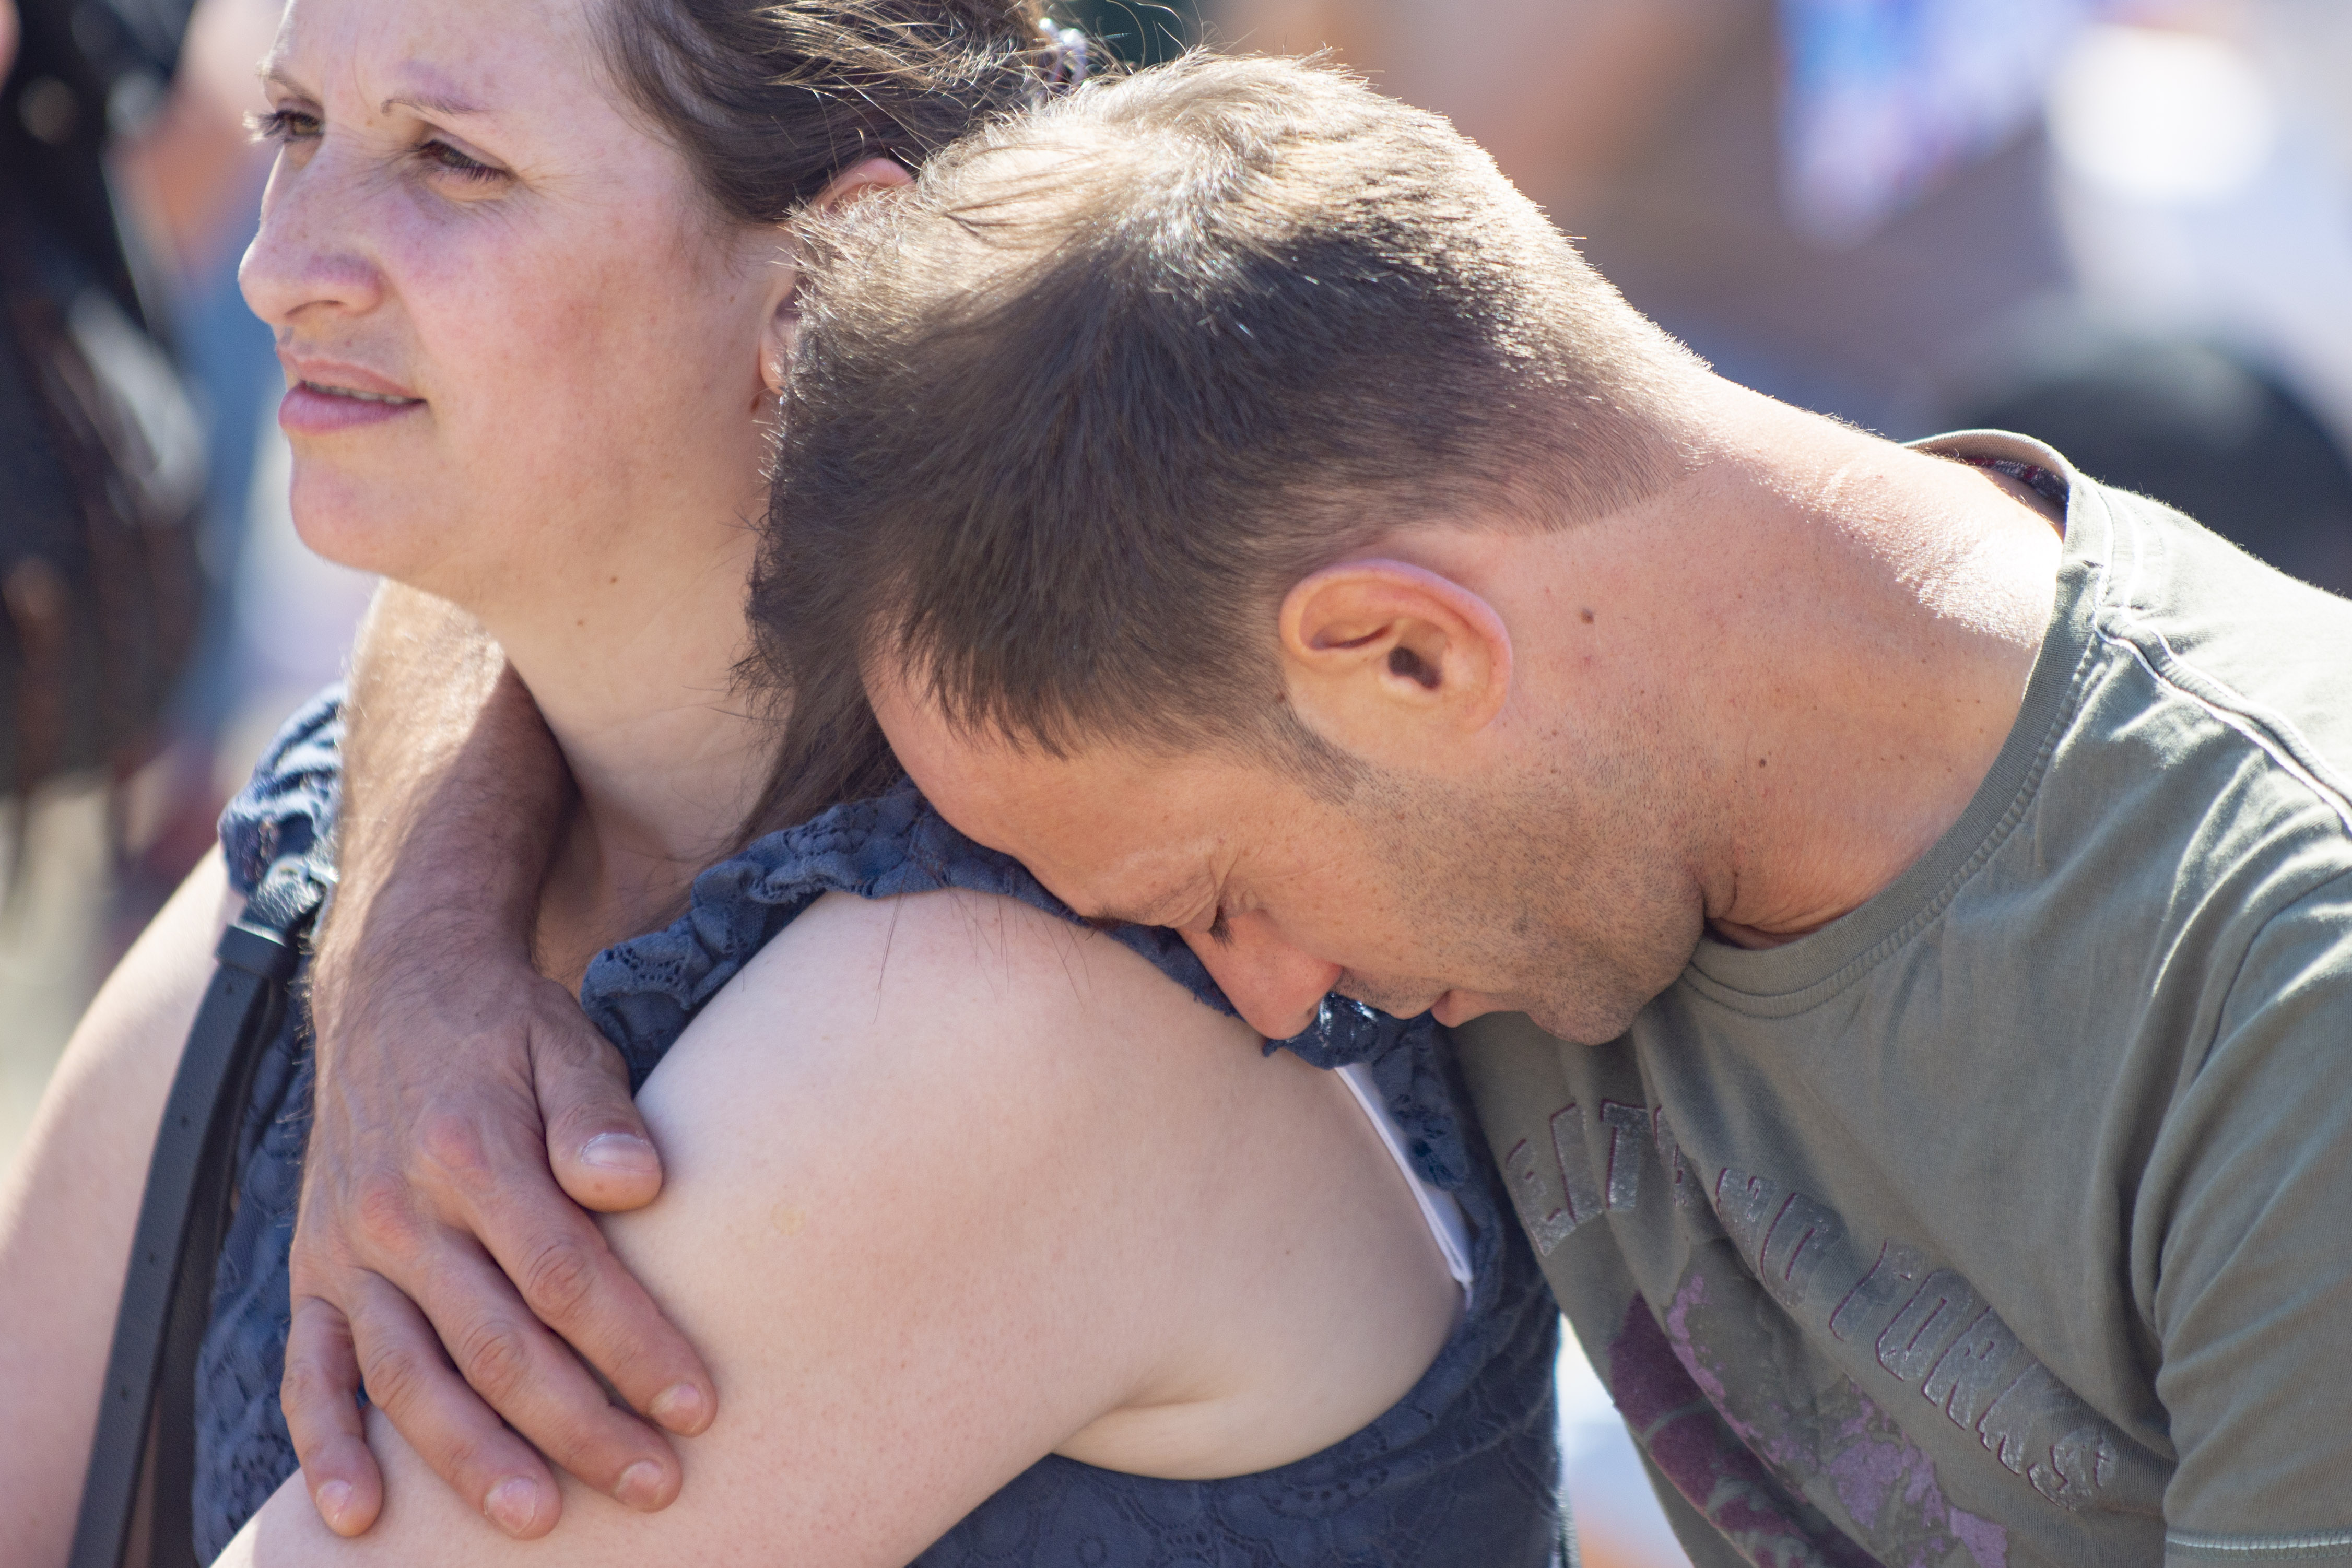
(865, 177)
(776, 339)
(1382, 658)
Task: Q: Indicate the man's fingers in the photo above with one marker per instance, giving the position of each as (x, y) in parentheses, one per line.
(456, 1434)
(320, 1397)
(572, 1283)
(596, 1142)
(506, 1354)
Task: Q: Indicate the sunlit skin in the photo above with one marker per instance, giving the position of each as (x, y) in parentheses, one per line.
(1737, 709)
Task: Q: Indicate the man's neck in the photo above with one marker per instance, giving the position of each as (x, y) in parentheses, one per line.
(1881, 613)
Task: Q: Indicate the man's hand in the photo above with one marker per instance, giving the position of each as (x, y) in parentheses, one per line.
(466, 1112)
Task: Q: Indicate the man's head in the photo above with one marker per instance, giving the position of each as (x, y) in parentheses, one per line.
(1149, 459)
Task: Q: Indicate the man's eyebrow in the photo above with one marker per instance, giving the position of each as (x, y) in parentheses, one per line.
(1152, 911)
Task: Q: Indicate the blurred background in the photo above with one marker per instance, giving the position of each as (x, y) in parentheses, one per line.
(2122, 226)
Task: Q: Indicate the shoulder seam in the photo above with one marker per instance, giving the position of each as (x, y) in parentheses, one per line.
(2270, 733)
(2119, 625)
(2261, 1545)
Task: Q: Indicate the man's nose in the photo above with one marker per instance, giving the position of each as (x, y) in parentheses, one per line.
(308, 251)
(1273, 985)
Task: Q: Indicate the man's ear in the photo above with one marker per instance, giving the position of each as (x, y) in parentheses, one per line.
(863, 178)
(1382, 658)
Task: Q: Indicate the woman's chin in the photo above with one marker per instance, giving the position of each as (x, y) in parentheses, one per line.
(366, 527)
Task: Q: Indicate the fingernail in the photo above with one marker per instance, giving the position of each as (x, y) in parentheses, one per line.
(640, 1486)
(335, 1498)
(619, 1152)
(678, 1408)
(512, 1505)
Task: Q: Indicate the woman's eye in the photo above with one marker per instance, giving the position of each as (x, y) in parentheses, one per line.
(446, 159)
(283, 125)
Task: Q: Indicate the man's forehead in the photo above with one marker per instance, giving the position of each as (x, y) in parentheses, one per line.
(982, 765)
(1110, 830)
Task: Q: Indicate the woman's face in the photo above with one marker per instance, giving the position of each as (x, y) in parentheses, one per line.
(518, 348)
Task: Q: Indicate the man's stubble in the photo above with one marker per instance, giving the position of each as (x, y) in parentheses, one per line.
(1569, 898)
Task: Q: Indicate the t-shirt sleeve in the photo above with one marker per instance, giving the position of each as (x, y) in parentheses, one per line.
(2248, 1204)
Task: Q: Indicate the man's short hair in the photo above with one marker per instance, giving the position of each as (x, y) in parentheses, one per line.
(1070, 417)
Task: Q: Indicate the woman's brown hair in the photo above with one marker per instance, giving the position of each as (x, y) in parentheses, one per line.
(768, 100)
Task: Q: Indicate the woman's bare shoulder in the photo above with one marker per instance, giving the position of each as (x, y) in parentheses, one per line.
(896, 1222)
(977, 1080)
(958, 1019)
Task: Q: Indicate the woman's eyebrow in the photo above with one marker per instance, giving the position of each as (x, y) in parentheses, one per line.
(442, 105)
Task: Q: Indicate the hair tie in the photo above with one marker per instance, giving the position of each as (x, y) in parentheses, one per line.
(1062, 59)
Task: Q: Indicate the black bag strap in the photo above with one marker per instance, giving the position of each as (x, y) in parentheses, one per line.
(151, 1372)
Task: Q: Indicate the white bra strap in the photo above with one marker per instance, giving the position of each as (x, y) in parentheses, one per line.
(1443, 1214)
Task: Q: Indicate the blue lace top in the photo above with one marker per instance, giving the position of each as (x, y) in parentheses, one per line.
(1462, 1471)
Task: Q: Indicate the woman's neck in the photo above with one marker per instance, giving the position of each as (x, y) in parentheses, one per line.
(634, 671)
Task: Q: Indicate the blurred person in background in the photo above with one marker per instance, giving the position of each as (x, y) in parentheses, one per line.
(191, 189)
(129, 181)
(1830, 203)
(2203, 182)
(1896, 211)
(103, 466)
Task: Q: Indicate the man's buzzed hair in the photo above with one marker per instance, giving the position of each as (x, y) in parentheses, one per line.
(1069, 418)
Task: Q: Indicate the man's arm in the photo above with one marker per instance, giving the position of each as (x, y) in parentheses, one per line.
(466, 1112)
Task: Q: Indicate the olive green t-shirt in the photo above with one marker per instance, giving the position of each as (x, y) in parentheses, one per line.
(2008, 1219)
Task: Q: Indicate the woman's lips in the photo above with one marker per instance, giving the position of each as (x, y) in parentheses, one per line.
(323, 408)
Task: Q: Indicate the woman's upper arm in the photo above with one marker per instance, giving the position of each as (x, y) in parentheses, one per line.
(69, 1204)
(944, 1172)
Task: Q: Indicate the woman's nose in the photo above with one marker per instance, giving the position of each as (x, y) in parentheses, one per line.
(310, 256)
(1274, 986)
